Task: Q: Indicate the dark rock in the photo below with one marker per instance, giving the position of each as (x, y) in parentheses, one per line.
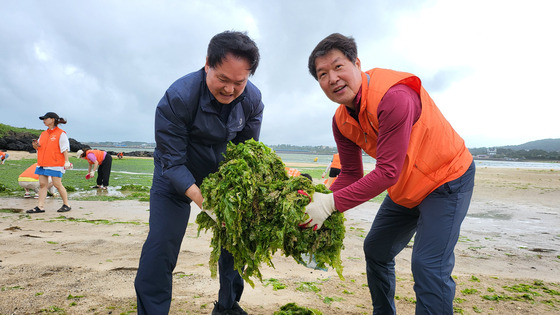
(139, 153)
(21, 141)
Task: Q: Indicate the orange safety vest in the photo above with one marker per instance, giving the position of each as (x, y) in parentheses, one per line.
(99, 156)
(292, 172)
(436, 153)
(29, 174)
(335, 161)
(2, 155)
(48, 153)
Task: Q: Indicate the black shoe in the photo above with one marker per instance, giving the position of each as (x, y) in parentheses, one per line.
(35, 210)
(238, 310)
(235, 310)
(64, 208)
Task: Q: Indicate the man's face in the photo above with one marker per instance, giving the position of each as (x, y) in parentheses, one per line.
(227, 80)
(339, 78)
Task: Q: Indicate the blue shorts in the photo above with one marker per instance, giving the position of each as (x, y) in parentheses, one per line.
(46, 172)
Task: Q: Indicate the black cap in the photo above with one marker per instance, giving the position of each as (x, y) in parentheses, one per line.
(49, 115)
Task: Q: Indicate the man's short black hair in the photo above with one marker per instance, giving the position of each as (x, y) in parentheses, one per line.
(236, 43)
(345, 44)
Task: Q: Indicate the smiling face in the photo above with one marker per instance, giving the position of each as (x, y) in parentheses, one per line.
(226, 81)
(339, 78)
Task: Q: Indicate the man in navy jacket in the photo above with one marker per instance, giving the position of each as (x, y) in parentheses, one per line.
(196, 118)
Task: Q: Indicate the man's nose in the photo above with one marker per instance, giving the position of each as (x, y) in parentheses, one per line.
(229, 88)
(333, 77)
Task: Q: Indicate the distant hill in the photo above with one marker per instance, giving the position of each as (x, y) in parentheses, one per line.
(7, 129)
(548, 145)
(19, 139)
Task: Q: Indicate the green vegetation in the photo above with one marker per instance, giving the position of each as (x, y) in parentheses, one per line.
(294, 309)
(276, 284)
(329, 300)
(5, 129)
(95, 222)
(131, 178)
(258, 209)
(305, 286)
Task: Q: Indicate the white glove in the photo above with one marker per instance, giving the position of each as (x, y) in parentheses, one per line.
(92, 174)
(319, 210)
(210, 213)
(68, 165)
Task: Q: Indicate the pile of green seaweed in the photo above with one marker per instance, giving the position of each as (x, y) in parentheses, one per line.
(258, 209)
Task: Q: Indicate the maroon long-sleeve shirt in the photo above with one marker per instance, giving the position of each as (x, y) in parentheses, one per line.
(397, 112)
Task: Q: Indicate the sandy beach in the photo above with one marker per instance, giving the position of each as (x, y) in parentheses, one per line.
(84, 261)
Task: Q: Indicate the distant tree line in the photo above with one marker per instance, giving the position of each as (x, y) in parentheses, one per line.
(509, 154)
(303, 149)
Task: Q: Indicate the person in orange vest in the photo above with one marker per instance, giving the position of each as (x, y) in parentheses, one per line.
(29, 181)
(3, 156)
(100, 161)
(333, 169)
(293, 172)
(52, 160)
(120, 155)
(421, 161)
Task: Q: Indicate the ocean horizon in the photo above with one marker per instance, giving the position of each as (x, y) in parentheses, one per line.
(325, 159)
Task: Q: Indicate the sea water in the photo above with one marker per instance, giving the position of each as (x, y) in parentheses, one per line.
(324, 159)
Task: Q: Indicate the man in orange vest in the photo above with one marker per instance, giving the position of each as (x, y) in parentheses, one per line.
(420, 160)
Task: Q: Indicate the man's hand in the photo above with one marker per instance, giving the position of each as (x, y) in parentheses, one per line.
(319, 210)
(90, 175)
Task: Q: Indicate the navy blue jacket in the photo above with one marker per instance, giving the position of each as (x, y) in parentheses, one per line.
(190, 136)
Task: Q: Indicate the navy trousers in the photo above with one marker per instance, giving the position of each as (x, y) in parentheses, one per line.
(169, 216)
(436, 222)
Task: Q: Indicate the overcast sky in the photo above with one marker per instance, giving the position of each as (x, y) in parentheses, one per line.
(492, 67)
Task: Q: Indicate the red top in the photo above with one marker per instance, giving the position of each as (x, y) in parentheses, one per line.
(399, 109)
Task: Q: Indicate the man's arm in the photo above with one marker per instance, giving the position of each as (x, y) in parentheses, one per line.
(172, 137)
(352, 168)
(397, 112)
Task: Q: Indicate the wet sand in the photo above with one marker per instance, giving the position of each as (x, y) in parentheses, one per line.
(84, 261)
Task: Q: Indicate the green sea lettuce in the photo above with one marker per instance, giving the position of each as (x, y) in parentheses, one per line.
(258, 208)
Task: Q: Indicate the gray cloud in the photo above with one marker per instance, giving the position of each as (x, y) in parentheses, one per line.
(104, 65)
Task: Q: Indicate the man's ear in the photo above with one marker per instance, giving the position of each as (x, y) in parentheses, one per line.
(206, 66)
(358, 63)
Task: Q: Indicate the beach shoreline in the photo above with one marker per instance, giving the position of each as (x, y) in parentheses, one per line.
(84, 261)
